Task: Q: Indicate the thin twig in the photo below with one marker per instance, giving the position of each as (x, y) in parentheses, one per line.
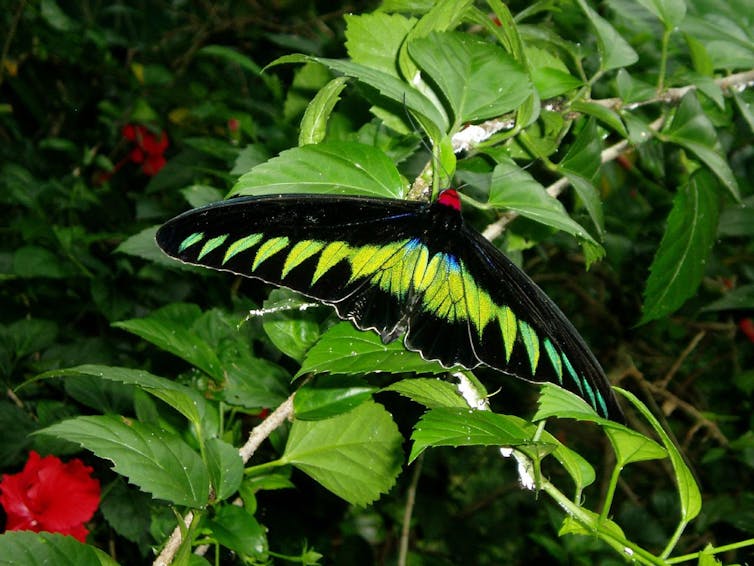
(408, 511)
(684, 406)
(681, 358)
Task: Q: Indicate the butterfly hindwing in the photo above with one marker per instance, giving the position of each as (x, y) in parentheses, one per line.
(398, 267)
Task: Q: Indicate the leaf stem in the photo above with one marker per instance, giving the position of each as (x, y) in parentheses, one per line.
(610, 491)
(663, 59)
(711, 551)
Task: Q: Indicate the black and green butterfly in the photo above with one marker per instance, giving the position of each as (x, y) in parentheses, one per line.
(399, 268)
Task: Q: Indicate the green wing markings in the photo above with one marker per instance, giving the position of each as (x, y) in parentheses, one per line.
(268, 249)
(211, 244)
(479, 305)
(190, 241)
(331, 255)
(299, 253)
(531, 341)
(241, 245)
(554, 357)
(508, 328)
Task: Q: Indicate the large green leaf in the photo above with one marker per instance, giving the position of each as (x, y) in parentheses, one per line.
(345, 349)
(330, 396)
(388, 85)
(170, 328)
(514, 189)
(432, 393)
(183, 399)
(679, 264)
(225, 467)
(326, 168)
(157, 461)
(356, 455)
(741, 298)
(374, 40)
(580, 165)
(477, 78)
(688, 490)
(236, 529)
(669, 12)
(26, 548)
(693, 130)
(315, 120)
(614, 51)
(447, 426)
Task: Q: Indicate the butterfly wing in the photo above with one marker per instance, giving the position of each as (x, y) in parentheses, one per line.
(353, 253)
(397, 267)
(525, 333)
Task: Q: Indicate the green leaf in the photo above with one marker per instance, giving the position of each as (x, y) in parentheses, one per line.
(605, 115)
(725, 34)
(231, 55)
(374, 40)
(740, 298)
(432, 393)
(171, 328)
(16, 425)
(224, 466)
(688, 490)
(345, 349)
(513, 188)
(143, 245)
(692, 129)
(326, 168)
(478, 79)
(292, 331)
(389, 86)
(254, 383)
(737, 220)
(442, 15)
(34, 261)
(356, 455)
(155, 460)
(330, 396)
(127, 511)
(551, 82)
(632, 446)
(183, 399)
(669, 12)
(200, 195)
(314, 123)
(631, 89)
(57, 18)
(447, 426)
(554, 401)
(580, 165)
(236, 529)
(43, 549)
(614, 51)
(680, 262)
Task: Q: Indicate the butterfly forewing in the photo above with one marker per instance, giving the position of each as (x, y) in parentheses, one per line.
(398, 267)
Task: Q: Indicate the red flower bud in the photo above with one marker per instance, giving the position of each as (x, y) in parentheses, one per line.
(747, 327)
(49, 495)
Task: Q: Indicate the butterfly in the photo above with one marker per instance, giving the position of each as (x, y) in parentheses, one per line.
(400, 268)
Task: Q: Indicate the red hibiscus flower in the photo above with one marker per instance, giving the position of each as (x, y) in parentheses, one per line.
(148, 148)
(49, 495)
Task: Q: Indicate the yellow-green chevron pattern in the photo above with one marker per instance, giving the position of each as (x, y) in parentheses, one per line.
(446, 288)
